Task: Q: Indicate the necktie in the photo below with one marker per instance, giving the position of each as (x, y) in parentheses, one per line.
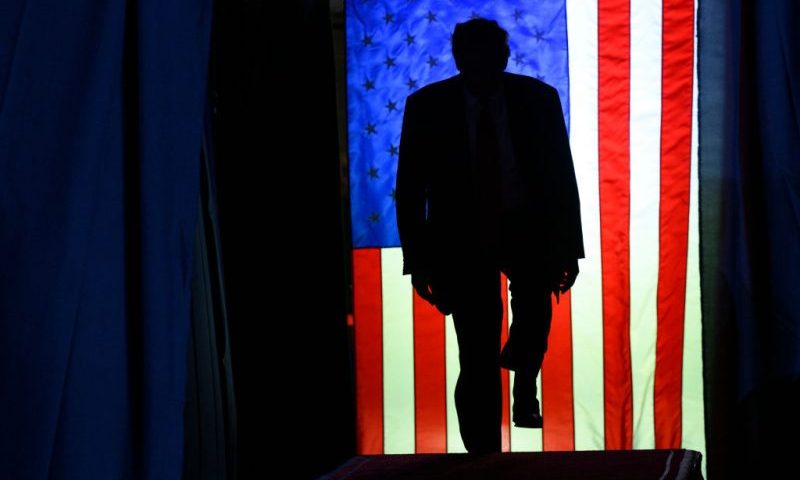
(488, 179)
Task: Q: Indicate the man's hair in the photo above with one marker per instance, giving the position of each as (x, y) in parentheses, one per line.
(480, 31)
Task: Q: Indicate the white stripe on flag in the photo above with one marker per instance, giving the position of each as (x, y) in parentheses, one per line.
(693, 426)
(454, 442)
(645, 162)
(398, 355)
(587, 305)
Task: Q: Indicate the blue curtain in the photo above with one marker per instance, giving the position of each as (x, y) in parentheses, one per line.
(101, 108)
(749, 81)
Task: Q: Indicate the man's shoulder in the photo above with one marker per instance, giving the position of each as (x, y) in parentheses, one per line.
(527, 85)
(436, 90)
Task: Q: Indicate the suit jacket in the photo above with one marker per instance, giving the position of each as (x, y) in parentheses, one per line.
(436, 179)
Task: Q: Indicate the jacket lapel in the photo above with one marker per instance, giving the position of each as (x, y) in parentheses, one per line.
(456, 127)
(516, 109)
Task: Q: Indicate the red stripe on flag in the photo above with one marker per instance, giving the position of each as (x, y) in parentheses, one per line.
(614, 174)
(676, 139)
(557, 404)
(368, 331)
(505, 426)
(430, 394)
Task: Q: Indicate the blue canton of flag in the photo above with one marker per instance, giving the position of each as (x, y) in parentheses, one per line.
(396, 47)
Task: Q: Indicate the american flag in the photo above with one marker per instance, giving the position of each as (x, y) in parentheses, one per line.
(624, 366)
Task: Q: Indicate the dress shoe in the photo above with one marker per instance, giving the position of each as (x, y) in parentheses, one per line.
(531, 420)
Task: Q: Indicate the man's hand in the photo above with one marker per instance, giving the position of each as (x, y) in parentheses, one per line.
(568, 276)
(564, 277)
(422, 284)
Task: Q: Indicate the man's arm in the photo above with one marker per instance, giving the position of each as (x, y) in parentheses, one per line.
(568, 235)
(411, 200)
(411, 191)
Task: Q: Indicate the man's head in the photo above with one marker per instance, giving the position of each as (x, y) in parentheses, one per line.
(480, 49)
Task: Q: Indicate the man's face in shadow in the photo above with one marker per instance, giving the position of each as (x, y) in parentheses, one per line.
(482, 67)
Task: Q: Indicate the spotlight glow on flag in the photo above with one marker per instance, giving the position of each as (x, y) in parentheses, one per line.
(624, 366)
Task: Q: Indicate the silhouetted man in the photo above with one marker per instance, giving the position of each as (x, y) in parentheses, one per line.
(485, 184)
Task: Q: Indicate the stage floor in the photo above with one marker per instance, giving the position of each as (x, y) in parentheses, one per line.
(595, 465)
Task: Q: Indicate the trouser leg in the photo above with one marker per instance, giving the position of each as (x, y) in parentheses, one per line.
(477, 316)
(527, 343)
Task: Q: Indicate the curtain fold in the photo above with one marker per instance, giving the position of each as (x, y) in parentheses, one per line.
(210, 412)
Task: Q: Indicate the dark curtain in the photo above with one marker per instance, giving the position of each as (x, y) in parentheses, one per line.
(749, 80)
(281, 218)
(101, 108)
